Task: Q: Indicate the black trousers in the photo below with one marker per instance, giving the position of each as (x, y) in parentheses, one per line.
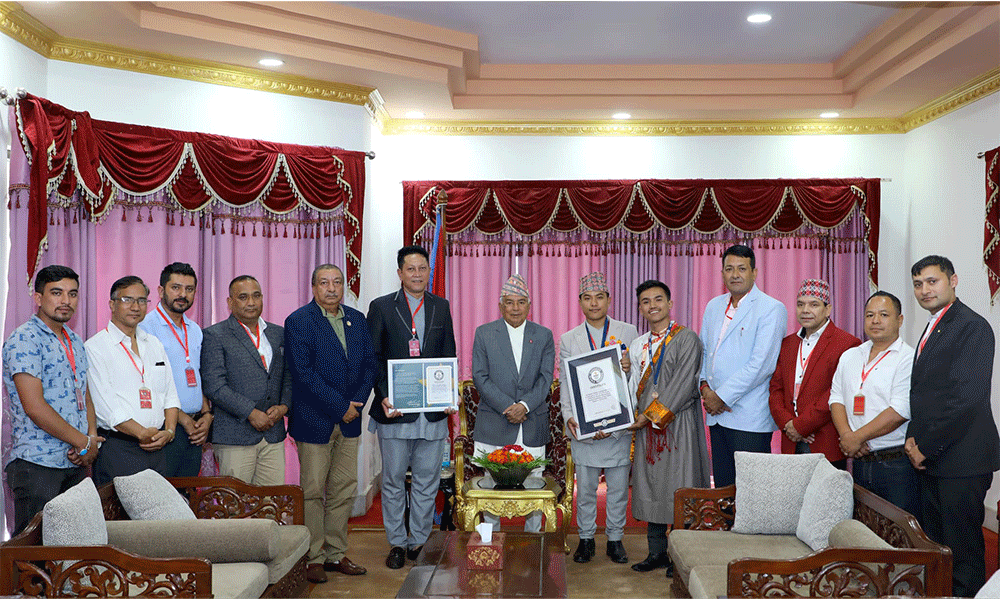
(183, 459)
(120, 457)
(725, 442)
(33, 485)
(656, 537)
(953, 512)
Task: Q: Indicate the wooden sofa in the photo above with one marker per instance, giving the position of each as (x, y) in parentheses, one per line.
(30, 569)
(912, 566)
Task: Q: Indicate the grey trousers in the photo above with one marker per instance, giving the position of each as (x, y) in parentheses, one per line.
(423, 457)
(616, 508)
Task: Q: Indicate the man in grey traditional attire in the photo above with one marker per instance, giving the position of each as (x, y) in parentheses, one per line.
(605, 451)
(666, 363)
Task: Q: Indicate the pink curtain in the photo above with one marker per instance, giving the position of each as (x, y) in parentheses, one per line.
(137, 237)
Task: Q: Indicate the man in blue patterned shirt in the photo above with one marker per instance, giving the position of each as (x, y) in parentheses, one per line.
(45, 371)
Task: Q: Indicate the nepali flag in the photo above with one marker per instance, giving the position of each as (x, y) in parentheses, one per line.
(437, 252)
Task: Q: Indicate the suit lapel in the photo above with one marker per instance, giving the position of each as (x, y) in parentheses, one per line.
(243, 339)
(527, 349)
(428, 317)
(276, 355)
(503, 341)
(821, 344)
(935, 335)
(746, 305)
(324, 325)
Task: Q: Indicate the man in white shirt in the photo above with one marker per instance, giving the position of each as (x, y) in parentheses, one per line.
(132, 386)
(512, 364)
(870, 405)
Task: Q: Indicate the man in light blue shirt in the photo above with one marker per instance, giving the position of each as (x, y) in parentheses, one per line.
(54, 430)
(182, 338)
(741, 333)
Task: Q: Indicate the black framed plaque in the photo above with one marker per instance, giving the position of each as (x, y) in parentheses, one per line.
(598, 391)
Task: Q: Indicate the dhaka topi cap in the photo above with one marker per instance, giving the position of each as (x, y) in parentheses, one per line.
(593, 282)
(515, 286)
(817, 288)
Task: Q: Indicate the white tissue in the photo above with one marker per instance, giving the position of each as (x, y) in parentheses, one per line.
(485, 531)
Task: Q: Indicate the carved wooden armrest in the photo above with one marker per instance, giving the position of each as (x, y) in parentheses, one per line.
(460, 444)
(842, 572)
(705, 508)
(231, 498)
(103, 571)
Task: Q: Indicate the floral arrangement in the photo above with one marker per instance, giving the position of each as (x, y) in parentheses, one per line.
(510, 457)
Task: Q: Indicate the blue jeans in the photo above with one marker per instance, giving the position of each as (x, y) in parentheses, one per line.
(895, 480)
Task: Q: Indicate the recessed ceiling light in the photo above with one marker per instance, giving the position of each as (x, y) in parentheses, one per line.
(270, 62)
(829, 115)
(759, 18)
(414, 114)
(621, 115)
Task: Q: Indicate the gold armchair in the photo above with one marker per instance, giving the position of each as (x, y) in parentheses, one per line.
(557, 495)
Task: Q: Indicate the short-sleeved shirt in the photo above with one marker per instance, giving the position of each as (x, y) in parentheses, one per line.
(153, 324)
(35, 350)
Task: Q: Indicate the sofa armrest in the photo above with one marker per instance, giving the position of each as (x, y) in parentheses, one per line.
(705, 508)
(843, 572)
(217, 540)
(229, 498)
(102, 571)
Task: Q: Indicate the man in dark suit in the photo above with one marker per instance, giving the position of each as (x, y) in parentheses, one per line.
(332, 362)
(800, 386)
(512, 364)
(410, 322)
(243, 372)
(952, 437)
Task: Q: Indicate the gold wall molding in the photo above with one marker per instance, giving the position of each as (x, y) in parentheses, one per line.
(974, 90)
(24, 28)
(645, 128)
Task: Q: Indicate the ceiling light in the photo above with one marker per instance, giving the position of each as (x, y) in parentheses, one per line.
(829, 115)
(621, 115)
(270, 62)
(414, 114)
(759, 18)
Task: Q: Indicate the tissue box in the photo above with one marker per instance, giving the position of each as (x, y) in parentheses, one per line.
(480, 556)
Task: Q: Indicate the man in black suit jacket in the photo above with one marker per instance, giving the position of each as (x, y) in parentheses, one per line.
(243, 374)
(410, 322)
(952, 437)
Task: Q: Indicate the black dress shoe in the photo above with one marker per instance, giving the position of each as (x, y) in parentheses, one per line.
(617, 552)
(413, 553)
(584, 551)
(654, 561)
(396, 558)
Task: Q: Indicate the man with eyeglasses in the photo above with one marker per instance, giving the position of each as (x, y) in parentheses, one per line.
(251, 390)
(182, 338)
(132, 387)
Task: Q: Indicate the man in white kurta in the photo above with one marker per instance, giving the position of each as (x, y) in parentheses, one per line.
(605, 451)
(666, 363)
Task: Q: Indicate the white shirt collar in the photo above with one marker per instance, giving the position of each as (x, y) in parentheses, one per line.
(815, 336)
(896, 345)
(118, 335)
(511, 329)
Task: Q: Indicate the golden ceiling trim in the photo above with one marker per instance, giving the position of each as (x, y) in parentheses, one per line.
(646, 128)
(978, 88)
(24, 28)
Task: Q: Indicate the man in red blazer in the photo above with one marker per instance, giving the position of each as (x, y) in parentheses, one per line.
(800, 386)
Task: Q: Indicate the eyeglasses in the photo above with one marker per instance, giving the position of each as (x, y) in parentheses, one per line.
(129, 300)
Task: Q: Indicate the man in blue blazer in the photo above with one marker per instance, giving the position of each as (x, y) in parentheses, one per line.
(741, 333)
(410, 322)
(332, 362)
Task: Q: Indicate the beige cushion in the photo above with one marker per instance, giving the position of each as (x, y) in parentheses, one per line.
(855, 534)
(829, 499)
(769, 491)
(75, 517)
(148, 496)
(689, 549)
(709, 581)
(218, 540)
(239, 580)
(293, 544)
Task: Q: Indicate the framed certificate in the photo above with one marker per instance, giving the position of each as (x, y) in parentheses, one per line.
(423, 384)
(598, 391)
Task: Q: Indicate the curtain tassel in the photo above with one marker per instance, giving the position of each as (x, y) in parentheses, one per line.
(150, 220)
(52, 218)
(75, 221)
(286, 231)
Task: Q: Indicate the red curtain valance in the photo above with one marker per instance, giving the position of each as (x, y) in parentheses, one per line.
(706, 205)
(68, 150)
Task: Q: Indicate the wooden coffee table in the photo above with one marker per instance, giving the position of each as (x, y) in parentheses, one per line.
(534, 567)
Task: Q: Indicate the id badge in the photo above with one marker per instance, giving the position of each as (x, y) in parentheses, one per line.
(145, 397)
(859, 404)
(191, 379)
(81, 403)
(414, 347)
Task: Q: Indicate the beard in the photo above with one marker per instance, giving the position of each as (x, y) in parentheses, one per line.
(61, 318)
(178, 305)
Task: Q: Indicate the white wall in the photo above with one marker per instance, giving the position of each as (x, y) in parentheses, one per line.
(945, 189)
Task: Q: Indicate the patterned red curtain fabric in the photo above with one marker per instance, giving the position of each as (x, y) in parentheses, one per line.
(775, 206)
(991, 242)
(68, 150)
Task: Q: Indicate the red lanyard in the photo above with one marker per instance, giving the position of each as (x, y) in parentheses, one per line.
(142, 371)
(68, 347)
(604, 337)
(728, 306)
(804, 363)
(184, 344)
(256, 340)
(931, 329)
(413, 313)
(865, 374)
